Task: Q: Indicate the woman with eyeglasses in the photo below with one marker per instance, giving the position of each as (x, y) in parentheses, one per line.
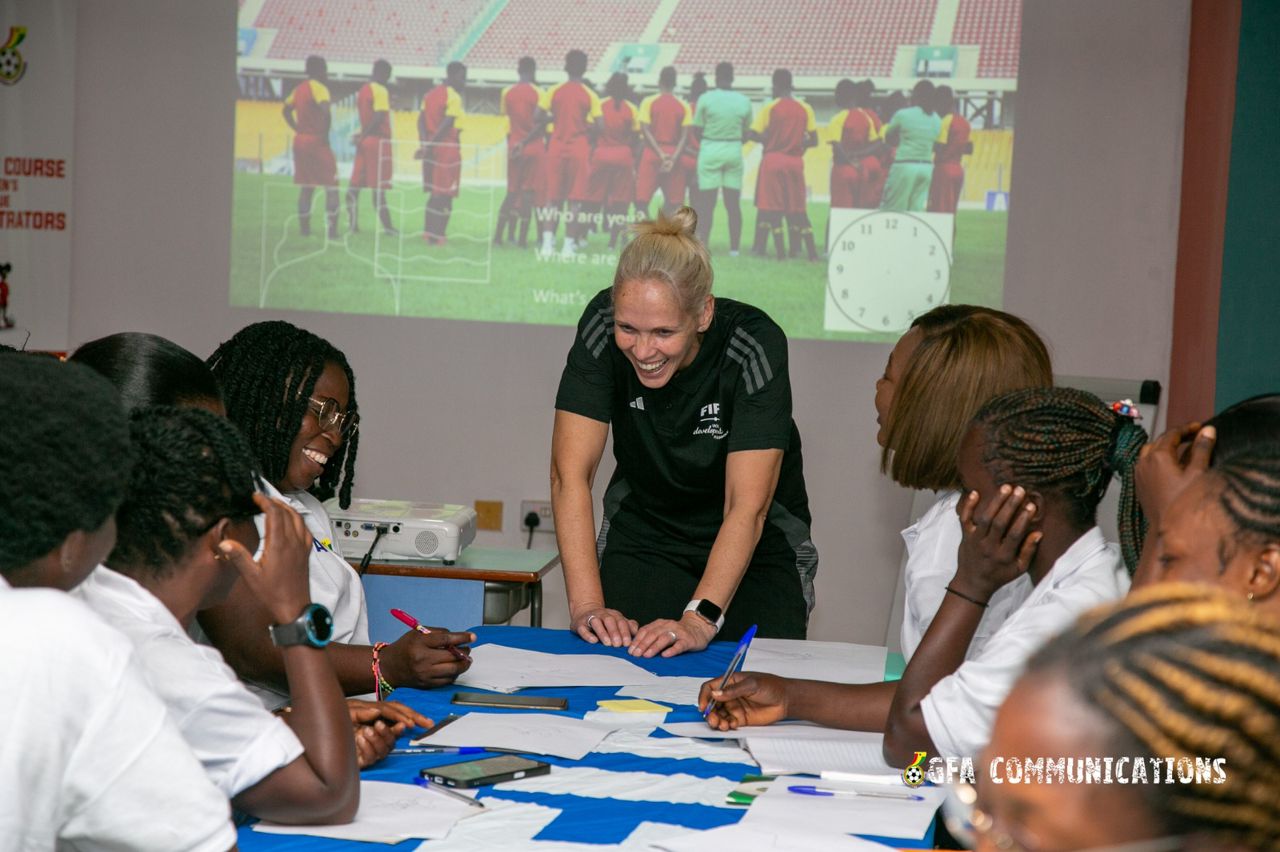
(274, 374)
(1176, 676)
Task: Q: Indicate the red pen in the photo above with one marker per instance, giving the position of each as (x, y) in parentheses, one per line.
(422, 628)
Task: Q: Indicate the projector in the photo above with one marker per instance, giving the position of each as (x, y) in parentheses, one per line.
(412, 530)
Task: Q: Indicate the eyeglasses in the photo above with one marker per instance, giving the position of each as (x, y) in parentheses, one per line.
(330, 414)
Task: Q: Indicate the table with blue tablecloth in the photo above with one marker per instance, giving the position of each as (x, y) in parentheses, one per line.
(582, 819)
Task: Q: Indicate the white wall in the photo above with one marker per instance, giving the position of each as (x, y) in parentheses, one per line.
(462, 411)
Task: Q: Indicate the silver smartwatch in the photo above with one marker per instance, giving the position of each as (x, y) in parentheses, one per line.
(707, 611)
(314, 628)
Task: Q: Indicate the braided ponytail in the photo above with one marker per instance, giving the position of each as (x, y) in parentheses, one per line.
(1068, 441)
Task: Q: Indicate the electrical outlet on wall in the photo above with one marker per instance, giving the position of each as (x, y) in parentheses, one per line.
(541, 508)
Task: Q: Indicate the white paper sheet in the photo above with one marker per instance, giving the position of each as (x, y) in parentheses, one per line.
(503, 826)
(536, 733)
(674, 748)
(668, 690)
(746, 838)
(855, 751)
(590, 782)
(794, 730)
(503, 669)
(615, 721)
(389, 813)
(780, 811)
(837, 662)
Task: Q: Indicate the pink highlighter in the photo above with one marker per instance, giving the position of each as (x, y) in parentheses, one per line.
(421, 628)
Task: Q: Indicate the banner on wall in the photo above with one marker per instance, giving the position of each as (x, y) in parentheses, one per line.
(37, 91)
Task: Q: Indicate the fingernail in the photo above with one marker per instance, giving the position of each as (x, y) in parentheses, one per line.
(1031, 507)
(1018, 491)
(973, 495)
(224, 546)
(1004, 489)
(1209, 432)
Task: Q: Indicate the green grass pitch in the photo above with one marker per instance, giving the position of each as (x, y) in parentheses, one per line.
(470, 280)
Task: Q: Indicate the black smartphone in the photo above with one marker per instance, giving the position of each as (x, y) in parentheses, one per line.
(486, 770)
(510, 702)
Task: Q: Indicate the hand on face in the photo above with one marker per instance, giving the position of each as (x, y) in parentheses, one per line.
(997, 543)
(281, 579)
(1170, 463)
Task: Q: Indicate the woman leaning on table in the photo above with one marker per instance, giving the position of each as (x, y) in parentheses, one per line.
(706, 519)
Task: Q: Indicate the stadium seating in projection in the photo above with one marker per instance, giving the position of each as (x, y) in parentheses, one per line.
(394, 157)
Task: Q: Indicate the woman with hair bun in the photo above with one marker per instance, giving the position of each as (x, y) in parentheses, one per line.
(706, 518)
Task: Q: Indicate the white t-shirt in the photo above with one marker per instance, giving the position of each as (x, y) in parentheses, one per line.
(89, 758)
(232, 735)
(932, 545)
(960, 708)
(334, 582)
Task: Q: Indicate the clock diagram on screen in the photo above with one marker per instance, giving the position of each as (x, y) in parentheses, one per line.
(885, 268)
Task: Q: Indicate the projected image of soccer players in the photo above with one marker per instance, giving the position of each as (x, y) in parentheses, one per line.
(440, 154)
(723, 118)
(913, 131)
(785, 127)
(306, 111)
(664, 123)
(526, 151)
(372, 166)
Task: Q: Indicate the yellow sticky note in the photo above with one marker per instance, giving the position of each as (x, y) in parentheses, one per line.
(633, 705)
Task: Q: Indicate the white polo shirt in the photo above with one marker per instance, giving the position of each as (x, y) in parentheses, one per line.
(232, 735)
(960, 708)
(334, 582)
(933, 542)
(90, 759)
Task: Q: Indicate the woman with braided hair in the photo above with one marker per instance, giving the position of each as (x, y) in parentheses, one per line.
(1033, 466)
(91, 755)
(293, 396)
(1173, 678)
(186, 532)
(1224, 528)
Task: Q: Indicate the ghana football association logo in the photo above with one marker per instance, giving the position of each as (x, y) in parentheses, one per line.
(913, 775)
(12, 65)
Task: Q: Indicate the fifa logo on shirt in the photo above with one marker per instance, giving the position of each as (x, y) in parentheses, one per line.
(12, 65)
(709, 422)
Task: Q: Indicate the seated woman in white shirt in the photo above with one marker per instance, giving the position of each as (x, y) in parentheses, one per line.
(1033, 466)
(1178, 683)
(274, 375)
(186, 532)
(952, 360)
(90, 754)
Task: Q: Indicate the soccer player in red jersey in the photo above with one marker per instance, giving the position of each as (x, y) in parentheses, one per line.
(570, 108)
(306, 111)
(441, 157)
(613, 163)
(855, 141)
(372, 166)
(664, 121)
(785, 127)
(953, 143)
(525, 153)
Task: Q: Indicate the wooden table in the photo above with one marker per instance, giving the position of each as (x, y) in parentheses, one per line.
(497, 568)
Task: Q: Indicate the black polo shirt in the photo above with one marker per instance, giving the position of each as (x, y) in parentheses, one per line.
(672, 444)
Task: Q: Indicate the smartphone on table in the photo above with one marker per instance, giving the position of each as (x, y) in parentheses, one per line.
(510, 702)
(486, 770)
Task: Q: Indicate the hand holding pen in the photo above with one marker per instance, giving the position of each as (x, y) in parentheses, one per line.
(414, 624)
(424, 658)
(708, 696)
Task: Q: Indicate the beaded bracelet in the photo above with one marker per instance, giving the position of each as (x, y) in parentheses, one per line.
(973, 601)
(381, 686)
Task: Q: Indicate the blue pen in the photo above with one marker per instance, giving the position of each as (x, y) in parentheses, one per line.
(438, 750)
(738, 656)
(424, 782)
(809, 790)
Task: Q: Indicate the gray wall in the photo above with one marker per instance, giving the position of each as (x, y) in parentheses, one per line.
(462, 411)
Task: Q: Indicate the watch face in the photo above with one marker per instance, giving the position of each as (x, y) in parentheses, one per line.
(886, 268)
(320, 623)
(709, 611)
